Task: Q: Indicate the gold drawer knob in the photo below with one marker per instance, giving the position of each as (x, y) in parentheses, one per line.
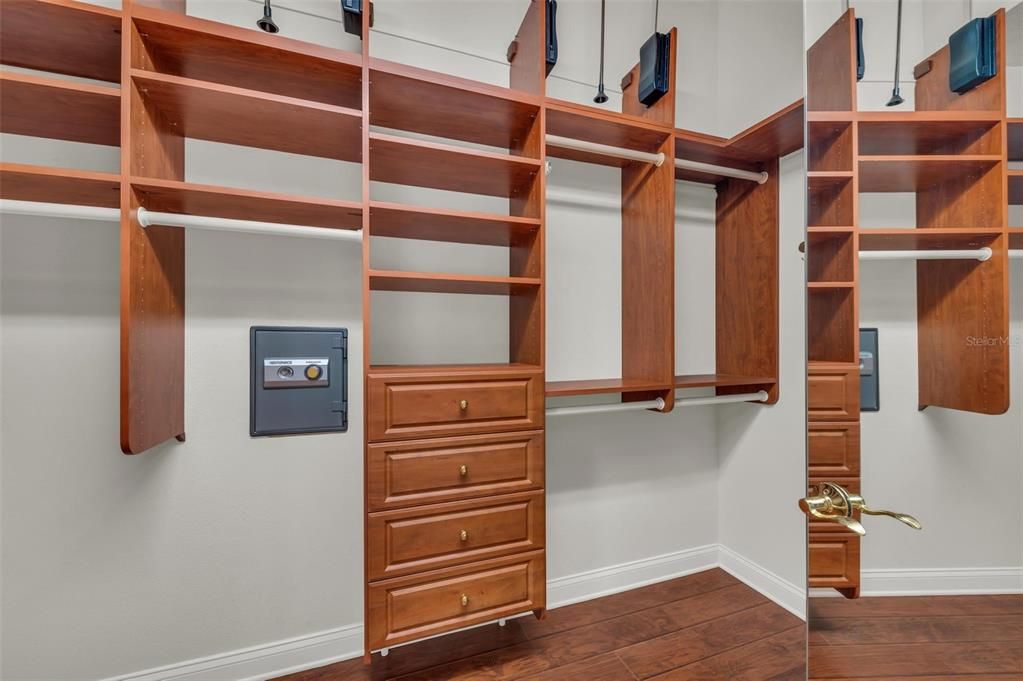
(463, 405)
(464, 535)
(465, 600)
(463, 470)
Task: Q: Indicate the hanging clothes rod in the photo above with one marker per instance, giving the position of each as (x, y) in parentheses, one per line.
(981, 254)
(148, 218)
(759, 396)
(606, 408)
(759, 178)
(59, 210)
(658, 404)
(606, 150)
(1016, 254)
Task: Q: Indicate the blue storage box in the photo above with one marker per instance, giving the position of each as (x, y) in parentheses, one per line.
(972, 55)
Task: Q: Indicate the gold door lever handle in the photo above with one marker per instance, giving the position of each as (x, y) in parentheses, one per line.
(835, 504)
(904, 518)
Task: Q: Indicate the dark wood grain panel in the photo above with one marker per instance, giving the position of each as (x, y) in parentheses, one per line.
(883, 239)
(47, 107)
(59, 185)
(833, 450)
(61, 36)
(780, 655)
(905, 659)
(601, 386)
(914, 173)
(435, 282)
(831, 68)
(747, 260)
(687, 646)
(910, 133)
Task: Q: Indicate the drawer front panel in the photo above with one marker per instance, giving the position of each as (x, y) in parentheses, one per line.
(833, 394)
(404, 407)
(834, 450)
(427, 538)
(404, 609)
(834, 561)
(449, 469)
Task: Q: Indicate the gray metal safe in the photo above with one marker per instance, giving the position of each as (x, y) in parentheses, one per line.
(298, 381)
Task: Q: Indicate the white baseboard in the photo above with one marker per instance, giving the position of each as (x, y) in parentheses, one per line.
(941, 582)
(584, 586)
(781, 591)
(316, 650)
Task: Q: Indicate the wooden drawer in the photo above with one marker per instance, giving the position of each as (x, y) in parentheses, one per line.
(425, 403)
(833, 393)
(834, 450)
(408, 608)
(834, 561)
(405, 474)
(425, 538)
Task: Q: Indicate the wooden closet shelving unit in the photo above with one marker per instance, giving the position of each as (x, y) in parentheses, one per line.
(952, 153)
(454, 456)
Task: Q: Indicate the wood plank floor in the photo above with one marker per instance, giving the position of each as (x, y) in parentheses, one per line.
(973, 638)
(706, 626)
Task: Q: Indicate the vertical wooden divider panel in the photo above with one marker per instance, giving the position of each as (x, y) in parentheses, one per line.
(747, 262)
(367, 232)
(833, 306)
(963, 306)
(152, 271)
(648, 250)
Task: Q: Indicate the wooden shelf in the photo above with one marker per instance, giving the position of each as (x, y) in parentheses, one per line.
(407, 98)
(830, 285)
(488, 368)
(830, 230)
(61, 36)
(775, 136)
(1016, 238)
(231, 115)
(722, 381)
(433, 224)
(400, 160)
(602, 386)
(59, 185)
(926, 239)
(1015, 126)
(912, 173)
(172, 196)
(432, 282)
(59, 109)
(1016, 187)
(211, 51)
(580, 122)
(909, 133)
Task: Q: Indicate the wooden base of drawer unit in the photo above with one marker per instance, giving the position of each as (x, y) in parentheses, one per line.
(403, 474)
(834, 450)
(407, 404)
(408, 608)
(833, 392)
(431, 537)
(834, 561)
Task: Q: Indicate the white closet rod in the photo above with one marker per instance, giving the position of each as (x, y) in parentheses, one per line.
(969, 254)
(148, 218)
(1016, 254)
(605, 150)
(59, 210)
(759, 178)
(759, 396)
(605, 408)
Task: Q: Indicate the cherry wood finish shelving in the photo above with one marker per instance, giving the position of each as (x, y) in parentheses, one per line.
(442, 440)
(953, 152)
